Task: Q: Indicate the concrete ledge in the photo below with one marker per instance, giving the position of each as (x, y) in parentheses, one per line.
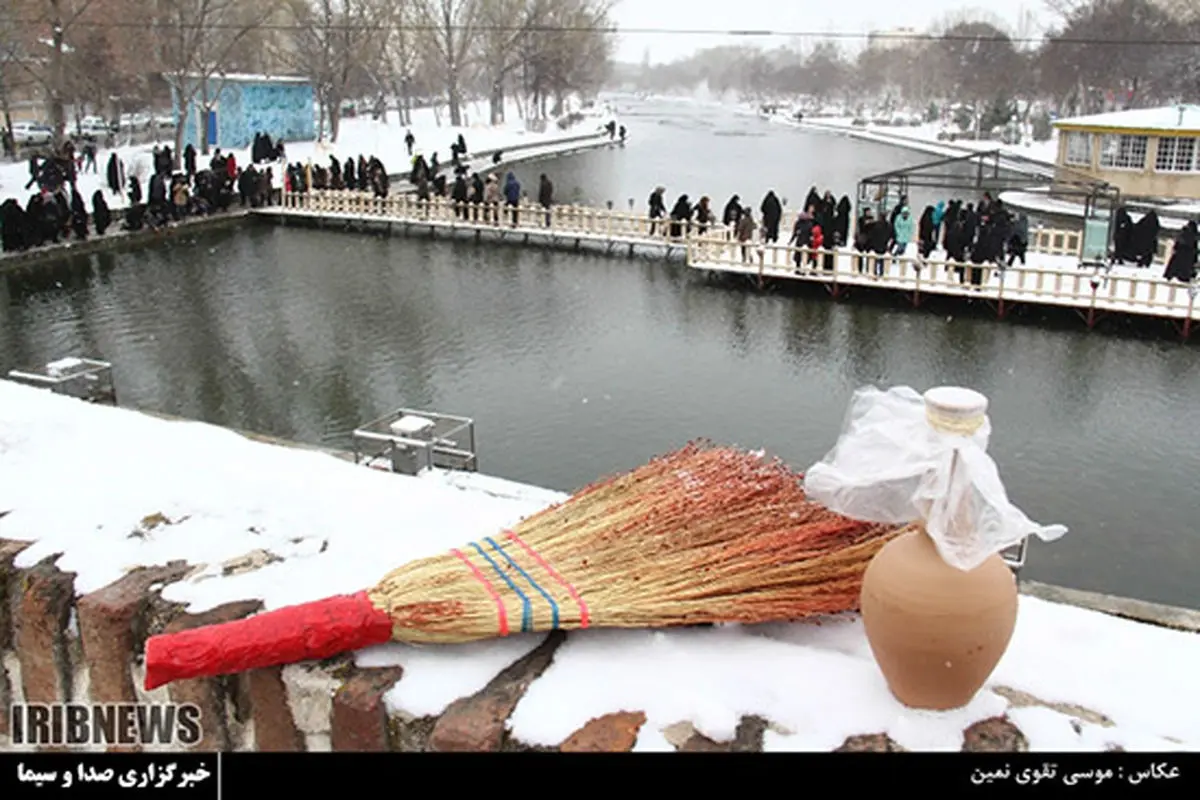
(119, 239)
(1182, 619)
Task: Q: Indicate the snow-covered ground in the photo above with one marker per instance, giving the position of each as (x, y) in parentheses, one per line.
(924, 138)
(338, 527)
(357, 136)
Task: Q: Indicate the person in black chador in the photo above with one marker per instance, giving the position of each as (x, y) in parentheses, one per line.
(1144, 240)
(546, 196)
(101, 216)
(772, 213)
(189, 160)
(420, 170)
(335, 174)
(680, 213)
(813, 201)
(1123, 238)
(113, 174)
(348, 175)
(1182, 266)
(733, 212)
(459, 194)
(477, 191)
(926, 234)
(35, 221)
(12, 226)
(658, 207)
(409, 141)
(364, 177)
(79, 216)
(64, 214)
(1018, 242)
(841, 223)
(953, 212)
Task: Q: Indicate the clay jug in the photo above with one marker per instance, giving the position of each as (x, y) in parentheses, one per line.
(938, 632)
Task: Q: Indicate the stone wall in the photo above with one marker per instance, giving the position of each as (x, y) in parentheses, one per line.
(58, 647)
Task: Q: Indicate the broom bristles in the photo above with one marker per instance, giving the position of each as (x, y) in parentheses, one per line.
(702, 535)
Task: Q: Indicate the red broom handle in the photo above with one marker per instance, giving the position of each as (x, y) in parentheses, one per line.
(307, 632)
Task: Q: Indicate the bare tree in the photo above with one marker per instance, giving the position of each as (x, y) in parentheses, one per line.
(504, 40)
(401, 56)
(40, 49)
(338, 43)
(979, 63)
(195, 41)
(451, 28)
(571, 51)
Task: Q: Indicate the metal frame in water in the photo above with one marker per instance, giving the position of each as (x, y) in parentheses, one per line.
(87, 379)
(410, 441)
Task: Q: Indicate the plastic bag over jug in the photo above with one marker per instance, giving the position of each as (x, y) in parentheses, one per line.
(905, 458)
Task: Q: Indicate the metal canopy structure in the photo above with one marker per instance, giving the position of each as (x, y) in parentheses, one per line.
(968, 176)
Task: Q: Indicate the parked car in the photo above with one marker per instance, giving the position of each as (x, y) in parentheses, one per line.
(164, 121)
(135, 122)
(92, 127)
(34, 134)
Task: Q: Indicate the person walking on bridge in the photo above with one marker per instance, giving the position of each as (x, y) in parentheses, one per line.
(745, 234)
(772, 213)
(658, 207)
(512, 196)
(546, 196)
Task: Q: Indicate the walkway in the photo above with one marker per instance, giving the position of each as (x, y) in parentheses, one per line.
(1052, 278)
(1090, 291)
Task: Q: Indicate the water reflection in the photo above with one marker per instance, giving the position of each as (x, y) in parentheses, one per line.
(577, 366)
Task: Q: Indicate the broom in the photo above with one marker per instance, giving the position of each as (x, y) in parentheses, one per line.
(702, 535)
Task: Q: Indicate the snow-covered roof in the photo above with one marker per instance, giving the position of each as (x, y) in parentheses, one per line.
(1167, 119)
(247, 77)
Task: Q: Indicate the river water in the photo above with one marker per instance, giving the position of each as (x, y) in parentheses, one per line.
(577, 365)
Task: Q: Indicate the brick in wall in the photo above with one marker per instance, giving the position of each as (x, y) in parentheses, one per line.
(611, 733)
(477, 723)
(45, 598)
(9, 550)
(360, 719)
(275, 729)
(210, 695)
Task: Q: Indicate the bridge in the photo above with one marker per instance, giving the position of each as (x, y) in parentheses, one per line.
(1052, 278)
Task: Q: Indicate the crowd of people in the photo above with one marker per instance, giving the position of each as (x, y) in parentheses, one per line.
(58, 213)
(973, 235)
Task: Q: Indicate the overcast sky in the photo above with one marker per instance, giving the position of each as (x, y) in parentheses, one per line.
(853, 16)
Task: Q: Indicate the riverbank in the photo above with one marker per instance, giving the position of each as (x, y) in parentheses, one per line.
(521, 153)
(382, 138)
(272, 526)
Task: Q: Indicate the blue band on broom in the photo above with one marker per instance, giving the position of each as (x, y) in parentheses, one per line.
(702, 535)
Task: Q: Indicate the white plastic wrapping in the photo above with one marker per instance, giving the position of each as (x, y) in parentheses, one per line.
(892, 466)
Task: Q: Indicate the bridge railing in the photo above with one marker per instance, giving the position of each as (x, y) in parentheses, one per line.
(1083, 288)
(1042, 240)
(595, 222)
(568, 220)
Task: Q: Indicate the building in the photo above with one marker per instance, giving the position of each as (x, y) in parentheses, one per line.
(890, 39)
(1149, 153)
(246, 105)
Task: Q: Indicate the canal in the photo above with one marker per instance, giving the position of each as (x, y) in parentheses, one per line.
(576, 365)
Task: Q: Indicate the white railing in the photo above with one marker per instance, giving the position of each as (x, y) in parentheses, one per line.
(566, 220)
(585, 220)
(1087, 289)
